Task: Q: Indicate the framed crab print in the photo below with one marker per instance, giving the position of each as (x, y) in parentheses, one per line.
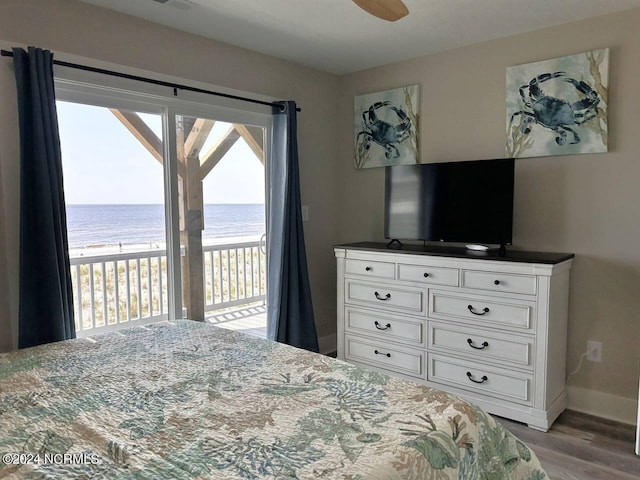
(386, 128)
(558, 106)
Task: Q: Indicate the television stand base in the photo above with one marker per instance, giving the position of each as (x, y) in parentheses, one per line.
(481, 248)
(394, 243)
(478, 247)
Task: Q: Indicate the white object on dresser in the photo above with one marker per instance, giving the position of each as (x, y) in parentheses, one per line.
(490, 329)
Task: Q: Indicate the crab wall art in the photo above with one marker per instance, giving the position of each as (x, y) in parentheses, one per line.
(386, 128)
(558, 106)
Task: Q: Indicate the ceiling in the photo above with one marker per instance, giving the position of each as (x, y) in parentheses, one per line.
(338, 37)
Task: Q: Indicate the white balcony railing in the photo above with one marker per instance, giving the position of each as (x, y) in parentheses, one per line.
(114, 290)
(234, 274)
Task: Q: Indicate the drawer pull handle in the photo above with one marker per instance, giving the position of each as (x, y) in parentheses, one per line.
(426, 275)
(368, 269)
(484, 344)
(496, 282)
(385, 298)
(482, 380)
(388, 355)
(386, 327)
(485, 310)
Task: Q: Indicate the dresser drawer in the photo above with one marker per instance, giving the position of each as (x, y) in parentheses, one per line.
(390, 357)
(397, 298)
(500, 282)
(430, 275)
(384, 327)
(481, 310)
(481, 344)
(372, 269)
(477, 377)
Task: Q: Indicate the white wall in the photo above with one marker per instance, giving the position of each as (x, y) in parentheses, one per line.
(9, 225)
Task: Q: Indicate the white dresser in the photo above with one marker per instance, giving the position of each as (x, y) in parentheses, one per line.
(490, 328)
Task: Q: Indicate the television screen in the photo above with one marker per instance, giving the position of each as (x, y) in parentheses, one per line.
(470, 202)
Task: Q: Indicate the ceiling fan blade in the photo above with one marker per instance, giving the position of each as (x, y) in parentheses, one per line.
(390, 10)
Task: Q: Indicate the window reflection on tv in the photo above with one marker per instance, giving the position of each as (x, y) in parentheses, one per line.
(470, 202)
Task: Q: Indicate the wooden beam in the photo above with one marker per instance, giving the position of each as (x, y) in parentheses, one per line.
(218, 150)
(195, 196)
(197, 136)
(141, 131)
(182, 181)
(254, 136)
(147, 137)
(193, 274)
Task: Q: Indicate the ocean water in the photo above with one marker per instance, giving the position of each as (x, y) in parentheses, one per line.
(109, 225)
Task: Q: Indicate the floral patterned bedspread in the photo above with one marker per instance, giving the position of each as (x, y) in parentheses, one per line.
(187, 400)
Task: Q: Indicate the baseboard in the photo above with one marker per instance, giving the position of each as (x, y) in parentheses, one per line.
(327, 344)
(604, 405)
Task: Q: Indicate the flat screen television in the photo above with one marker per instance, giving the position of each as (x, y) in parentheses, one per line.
(458, 202)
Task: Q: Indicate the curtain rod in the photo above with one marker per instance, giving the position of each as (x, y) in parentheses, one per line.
(175, 86)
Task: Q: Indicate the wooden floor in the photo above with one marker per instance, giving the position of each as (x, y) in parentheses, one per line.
(250, 319)
(583, 447)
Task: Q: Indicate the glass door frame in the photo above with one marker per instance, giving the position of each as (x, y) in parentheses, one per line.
(219, 114)
(113, 92)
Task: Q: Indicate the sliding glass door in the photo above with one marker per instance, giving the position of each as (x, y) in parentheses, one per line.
(113, 165)
(221, 205)
(166, 209)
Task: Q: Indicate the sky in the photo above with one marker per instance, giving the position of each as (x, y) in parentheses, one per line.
(103, 163)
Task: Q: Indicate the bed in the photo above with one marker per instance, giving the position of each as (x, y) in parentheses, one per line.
(188, 400)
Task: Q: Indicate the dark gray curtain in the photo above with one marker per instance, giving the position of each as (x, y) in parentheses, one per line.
(46, 295)
(289, 308)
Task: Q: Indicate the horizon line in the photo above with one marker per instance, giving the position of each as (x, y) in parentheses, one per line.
(146, 204)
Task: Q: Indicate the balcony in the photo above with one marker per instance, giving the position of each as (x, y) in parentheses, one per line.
(117, 290)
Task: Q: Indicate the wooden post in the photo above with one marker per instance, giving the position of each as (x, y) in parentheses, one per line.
(192, 134)
(190, 226)
(193, 236)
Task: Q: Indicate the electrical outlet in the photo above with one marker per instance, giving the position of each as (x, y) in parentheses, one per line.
(305, 213)
(595, 351)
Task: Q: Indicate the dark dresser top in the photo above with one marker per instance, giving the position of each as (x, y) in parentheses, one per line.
(509, 255)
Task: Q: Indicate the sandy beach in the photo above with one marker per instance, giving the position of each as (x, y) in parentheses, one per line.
(155, 247)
